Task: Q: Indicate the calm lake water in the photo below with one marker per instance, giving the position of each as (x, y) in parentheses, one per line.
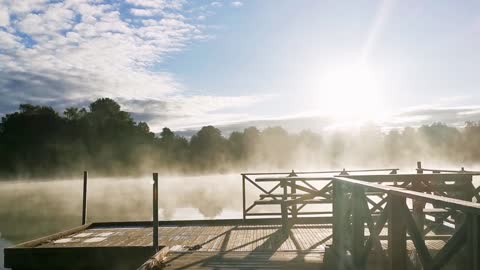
(31, 209)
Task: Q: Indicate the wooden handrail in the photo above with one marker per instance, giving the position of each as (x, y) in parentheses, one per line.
(319, 172)
(281, 179)
(451, 171)
(409, 177)
(465, 206)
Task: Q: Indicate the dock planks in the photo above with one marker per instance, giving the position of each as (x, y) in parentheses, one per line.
(232, 244)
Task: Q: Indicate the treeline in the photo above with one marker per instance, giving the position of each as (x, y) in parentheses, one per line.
(37, 141)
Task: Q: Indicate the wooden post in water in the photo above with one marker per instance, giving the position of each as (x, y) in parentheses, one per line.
(155, 213)
(84, 202)
(243, 197)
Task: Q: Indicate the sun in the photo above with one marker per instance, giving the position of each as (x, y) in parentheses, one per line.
(351, 93)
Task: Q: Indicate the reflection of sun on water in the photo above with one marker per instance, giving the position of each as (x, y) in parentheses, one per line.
(351, 93)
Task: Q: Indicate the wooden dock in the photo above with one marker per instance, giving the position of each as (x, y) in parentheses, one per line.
(198, 244)
(377, 221)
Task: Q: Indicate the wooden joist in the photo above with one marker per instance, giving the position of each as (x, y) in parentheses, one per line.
(279, 195)
(311, 201)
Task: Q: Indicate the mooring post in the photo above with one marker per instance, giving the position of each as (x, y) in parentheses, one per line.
(243, 197)
(155, 212)
(84, 200)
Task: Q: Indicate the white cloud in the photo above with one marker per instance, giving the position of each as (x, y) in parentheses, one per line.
(237, 4)
(26, 6)
(427, 114)
(101, 48)
(9, 41)
(183, 112)
(216, 4)
(161, 4)
(4, 16)
(142, 12)
(69, 53)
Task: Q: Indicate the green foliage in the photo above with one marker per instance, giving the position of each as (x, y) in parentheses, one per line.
(36, 141)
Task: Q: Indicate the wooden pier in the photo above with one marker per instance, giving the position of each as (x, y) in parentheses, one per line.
(378, 219)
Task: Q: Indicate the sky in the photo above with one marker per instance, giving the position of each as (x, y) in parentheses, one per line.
(319, 64)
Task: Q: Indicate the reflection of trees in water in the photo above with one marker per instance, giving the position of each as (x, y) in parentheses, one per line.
(209, 203)
(33, 209)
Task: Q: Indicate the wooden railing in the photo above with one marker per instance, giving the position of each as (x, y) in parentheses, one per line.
(353, 207)
(295, 191)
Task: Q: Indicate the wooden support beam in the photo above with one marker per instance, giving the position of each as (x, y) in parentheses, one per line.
(358, 225)
(375, 230)
(473, 242)
(339, 210)
(417, 237)
(377, 206)
(397, 234)
(256, 185)
(453, 246)
(418, 205)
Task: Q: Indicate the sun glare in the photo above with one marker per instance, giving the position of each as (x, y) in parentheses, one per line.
(351, 93)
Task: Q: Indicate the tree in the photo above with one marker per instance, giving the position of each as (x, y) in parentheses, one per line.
(208, 149)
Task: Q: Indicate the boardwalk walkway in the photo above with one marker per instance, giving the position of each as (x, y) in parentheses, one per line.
(219, 244)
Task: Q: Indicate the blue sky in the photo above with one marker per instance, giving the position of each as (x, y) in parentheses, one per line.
(185, 64)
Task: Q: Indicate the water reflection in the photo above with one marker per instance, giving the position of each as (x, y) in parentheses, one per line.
(33, 209)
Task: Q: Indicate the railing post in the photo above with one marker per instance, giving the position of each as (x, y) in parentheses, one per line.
(155, 212)
(293, 190)
(417, 205)
(358, 236)
(243, 197)
(397, 234)
(473, 242)
(284, 206)
(338, 209)
(84, 199)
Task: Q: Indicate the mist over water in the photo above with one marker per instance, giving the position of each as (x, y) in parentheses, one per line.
(30, 209)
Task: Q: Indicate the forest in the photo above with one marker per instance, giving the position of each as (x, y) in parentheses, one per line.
(39, 142)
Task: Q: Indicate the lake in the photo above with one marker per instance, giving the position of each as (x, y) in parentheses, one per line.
(31, 209)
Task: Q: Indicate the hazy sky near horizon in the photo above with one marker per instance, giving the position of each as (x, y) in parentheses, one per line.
(185, 64)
